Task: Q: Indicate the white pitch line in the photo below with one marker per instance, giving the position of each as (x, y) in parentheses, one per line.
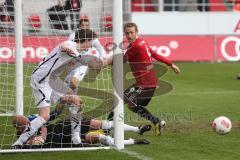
(203, 93)
(135, 154)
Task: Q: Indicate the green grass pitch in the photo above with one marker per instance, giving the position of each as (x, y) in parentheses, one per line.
(201, 92)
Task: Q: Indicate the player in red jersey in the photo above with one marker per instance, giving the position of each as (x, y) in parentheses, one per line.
(140, 57)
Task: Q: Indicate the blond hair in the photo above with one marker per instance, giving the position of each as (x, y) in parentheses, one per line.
(131, 24)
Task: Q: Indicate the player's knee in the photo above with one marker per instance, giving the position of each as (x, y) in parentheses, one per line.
(74, 83)
(72, 100)
(44, 113)
(45, 117)
(76, 100)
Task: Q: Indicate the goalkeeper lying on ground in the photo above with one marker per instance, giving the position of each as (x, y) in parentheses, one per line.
(58, 134)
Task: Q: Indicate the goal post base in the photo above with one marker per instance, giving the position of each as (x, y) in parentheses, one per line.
(52, 149)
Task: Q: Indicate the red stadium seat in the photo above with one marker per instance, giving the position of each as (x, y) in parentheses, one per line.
(34, 21)
(217, 5)
(107, 23)
(236, 7)
(142, 6)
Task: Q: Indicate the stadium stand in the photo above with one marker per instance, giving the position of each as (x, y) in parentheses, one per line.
(34, 22)
(236, 5)
(107, 23)
(101, 16)
(6, 16)
(142, 6)
(217, 5)
(57, 16)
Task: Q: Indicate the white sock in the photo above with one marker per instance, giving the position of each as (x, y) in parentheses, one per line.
(76, 138)
(130, 128)
(106, 140)
(129, 141)
(107, 124)
(74, 110)
(75, 128)
(34, 126)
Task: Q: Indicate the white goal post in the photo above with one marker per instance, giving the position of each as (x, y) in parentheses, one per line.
(18, 57)
(118, 74)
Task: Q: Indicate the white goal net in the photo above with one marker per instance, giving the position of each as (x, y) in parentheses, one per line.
(46, 23)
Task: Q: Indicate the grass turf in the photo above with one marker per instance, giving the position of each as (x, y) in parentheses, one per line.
(201, 92)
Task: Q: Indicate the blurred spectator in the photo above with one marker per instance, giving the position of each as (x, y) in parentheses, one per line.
(57, 16)
(9, 7)
(142, 6)
(188, 5)
(171, 5)
(1, 18)
(7, 16)
(7, 11)
(203, 5)
(74, 8)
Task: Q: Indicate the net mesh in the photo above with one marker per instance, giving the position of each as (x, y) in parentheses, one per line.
(47, 23)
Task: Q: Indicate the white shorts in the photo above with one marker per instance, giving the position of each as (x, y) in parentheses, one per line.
(41, 92)
(44, 94)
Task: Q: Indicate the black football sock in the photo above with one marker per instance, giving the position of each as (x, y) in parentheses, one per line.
(110, 116)
(143, 112)
(54, 114)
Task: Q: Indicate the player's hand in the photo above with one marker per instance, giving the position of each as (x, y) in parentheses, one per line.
(175, 69)
(65, 48)
(36, 140)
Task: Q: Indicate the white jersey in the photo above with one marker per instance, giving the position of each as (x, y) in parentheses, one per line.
(55, 62)
(46, 77)
(97, 50)
(78, 71)
(95, 44)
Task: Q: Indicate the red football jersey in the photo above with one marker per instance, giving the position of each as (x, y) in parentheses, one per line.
(140, 57)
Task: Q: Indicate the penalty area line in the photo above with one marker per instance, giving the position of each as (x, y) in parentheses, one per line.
(135, 154)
